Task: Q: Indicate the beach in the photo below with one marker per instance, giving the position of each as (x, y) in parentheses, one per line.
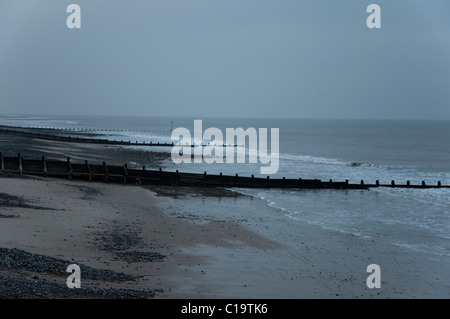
(170, 246)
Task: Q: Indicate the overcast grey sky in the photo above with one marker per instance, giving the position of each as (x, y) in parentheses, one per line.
(249, 58)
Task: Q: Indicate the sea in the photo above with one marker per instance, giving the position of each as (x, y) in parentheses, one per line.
(353, 150)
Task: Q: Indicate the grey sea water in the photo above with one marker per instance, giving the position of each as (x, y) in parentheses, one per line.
(369, 150)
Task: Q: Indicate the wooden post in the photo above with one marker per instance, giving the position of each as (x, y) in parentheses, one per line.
(44, 164)
(105, 176)
(392, 183)
(408, 183)
(377, 182)
(89, 171)
(69, 166)
(125, 173)
(423, 183)
(362, 182)
(2, 164)
(439, 183)
(20, 164)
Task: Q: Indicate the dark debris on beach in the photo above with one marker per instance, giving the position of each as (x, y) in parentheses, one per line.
(7, 200)
(26, 285)
(120, 242)
(21, 288)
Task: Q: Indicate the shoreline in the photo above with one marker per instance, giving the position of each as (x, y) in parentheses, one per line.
(179, 244)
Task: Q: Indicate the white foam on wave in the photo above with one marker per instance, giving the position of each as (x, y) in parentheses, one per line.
(328, 161)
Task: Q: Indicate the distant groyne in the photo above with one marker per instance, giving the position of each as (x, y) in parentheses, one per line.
(37, 133)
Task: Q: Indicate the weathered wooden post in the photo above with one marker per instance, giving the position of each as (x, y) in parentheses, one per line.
(44, 166)
(19, 158)
(362, 182)
(408, 183)
(105, 172)
(125, 173)
(392, 183)
(69, 166)
(423, 183)
(88, 169)
(439, 184)
(377, 182)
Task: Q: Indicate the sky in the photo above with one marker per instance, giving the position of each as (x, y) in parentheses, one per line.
(226, 58)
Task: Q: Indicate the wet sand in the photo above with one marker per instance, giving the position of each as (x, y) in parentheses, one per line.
(111, 227)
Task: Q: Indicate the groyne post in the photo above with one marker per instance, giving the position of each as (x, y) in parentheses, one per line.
(19, 158)
(44, 166)
(69, 166)
(125, 173)
(105, 169)
(89, 171)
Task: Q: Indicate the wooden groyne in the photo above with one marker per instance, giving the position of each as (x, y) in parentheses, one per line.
(25, 132)
(74, 139)
(125, 175)
(82, 130)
